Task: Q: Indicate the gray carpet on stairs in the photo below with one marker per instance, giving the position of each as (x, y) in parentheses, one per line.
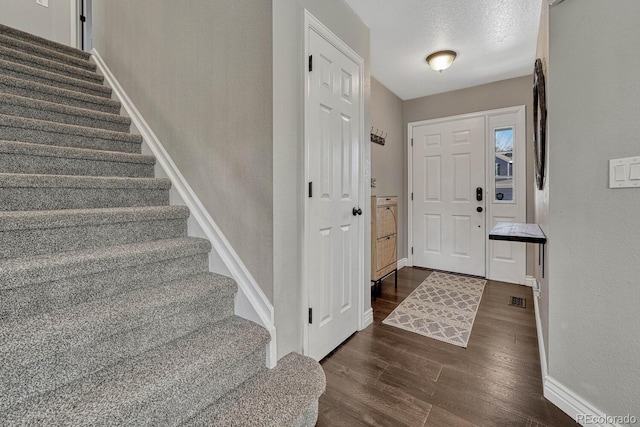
(108, 312)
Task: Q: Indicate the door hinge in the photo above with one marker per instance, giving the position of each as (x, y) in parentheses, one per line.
(310, 189)
(412, 142)
(310, 315)
(83, 18)
(411, 250)
(310, 62)
(411, 196)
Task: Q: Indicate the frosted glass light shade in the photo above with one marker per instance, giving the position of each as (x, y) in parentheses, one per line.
(441, 60)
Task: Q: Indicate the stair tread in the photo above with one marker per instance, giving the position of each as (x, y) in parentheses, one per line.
(27, 148)
(54, 78)
(17, 272)
(272, 397)
(13, 32)
(49, 65)
(28, 340)
(56, 91)
(129, 391)
(20, 180)
(24, 220)
(22, 101)
(42, 51)
(43, 125)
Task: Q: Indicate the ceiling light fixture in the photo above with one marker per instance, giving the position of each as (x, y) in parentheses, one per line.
(441, 60)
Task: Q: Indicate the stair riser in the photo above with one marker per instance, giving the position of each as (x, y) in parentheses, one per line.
(37, 136)
(53, 369)
(48, 94)
(20, 163)
(53, 67)
(30, 38)
(53, 116)
(45, 241)
(45, 52)
(47, 198)
(77, 85)
(61, 294)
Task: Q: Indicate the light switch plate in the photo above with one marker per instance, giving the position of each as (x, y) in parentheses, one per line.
(44, 3)
(624, 173)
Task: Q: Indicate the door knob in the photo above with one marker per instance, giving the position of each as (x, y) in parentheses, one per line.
(479, 208)
(356, 211)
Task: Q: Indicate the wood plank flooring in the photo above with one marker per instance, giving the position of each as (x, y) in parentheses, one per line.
(385, 376)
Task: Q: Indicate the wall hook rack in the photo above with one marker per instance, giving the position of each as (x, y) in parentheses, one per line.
(378, 138)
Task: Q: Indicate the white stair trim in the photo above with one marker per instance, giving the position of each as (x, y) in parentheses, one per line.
(555, 392)
(251, 302)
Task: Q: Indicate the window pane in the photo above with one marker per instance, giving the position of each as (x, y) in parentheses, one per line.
(504, 164)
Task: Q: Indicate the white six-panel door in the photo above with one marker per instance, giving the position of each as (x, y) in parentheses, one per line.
(333, 156)
(448, 166)
(450, 159)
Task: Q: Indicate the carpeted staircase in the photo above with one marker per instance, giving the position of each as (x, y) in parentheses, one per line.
(108, 313)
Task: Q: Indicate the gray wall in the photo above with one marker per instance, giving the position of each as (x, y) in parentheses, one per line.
(387, 161)
(288, 156)
(53, 22)
(505, 93)
(594, 266)
(201, 77)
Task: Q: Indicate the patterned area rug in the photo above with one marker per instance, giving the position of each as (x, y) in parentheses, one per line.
(442, 307)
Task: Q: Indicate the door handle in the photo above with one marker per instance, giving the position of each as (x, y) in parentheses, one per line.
(479, 194)
(356, 211)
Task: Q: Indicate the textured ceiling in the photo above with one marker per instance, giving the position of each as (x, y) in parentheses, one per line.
(494, 39)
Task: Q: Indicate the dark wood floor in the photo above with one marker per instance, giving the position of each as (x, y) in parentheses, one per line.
(385, 376)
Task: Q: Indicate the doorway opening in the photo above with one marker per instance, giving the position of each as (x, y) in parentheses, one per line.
(465, 173)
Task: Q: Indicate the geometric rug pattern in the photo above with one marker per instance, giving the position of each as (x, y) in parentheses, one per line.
(443, 307)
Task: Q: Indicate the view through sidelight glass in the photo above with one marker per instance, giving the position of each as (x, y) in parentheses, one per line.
(503, 172)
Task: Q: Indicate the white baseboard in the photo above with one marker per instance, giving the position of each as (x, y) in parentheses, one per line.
(367, 318)
(555, 392)
(573, 405)
(402, 263)
(533, 284)
(544, 370)
(251, 303)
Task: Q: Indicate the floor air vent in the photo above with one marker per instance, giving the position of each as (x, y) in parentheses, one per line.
(518, 302)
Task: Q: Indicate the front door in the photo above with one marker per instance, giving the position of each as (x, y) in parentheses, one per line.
(333, 162)
(448, 175)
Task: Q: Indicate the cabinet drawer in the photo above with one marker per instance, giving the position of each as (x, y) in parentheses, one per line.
(386, 201)
(386, 221)
(386, 250)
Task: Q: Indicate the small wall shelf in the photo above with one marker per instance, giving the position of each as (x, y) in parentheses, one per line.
(520, 232)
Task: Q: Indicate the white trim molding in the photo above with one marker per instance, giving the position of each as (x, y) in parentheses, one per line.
(555, 392)
(367, 319)
(531, 282)
(402, 263)
(251, 302)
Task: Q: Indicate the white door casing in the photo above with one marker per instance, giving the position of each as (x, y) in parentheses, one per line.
(448, 167)
(333, 238)
(428, 166)
(506, 261)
